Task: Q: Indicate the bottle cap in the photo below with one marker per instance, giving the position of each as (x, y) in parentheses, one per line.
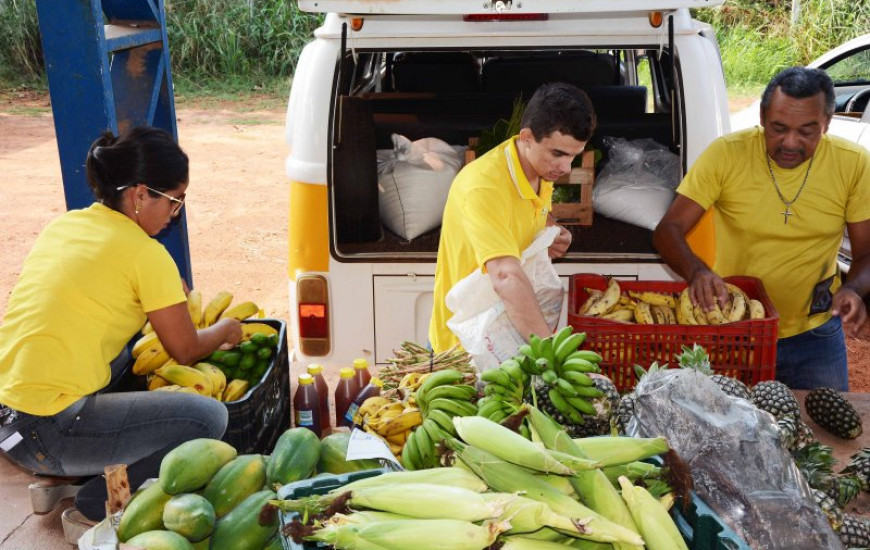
(360, 364)
(305, 379)
(315, 368)
(346, 372)
(375, 381)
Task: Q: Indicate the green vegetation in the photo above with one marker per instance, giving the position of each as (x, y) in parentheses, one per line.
(758, 38)
(231, 49)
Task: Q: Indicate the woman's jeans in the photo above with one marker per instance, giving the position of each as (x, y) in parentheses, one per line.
(814, 359)
(112, 428)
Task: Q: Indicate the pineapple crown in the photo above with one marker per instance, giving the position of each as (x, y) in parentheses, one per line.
(695, 358)
(640, 372)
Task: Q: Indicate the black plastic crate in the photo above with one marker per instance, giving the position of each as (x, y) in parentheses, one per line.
(319, 485)
(700, 526)
(263, 413)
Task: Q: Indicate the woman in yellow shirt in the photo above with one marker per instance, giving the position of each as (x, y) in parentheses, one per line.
(92, 279)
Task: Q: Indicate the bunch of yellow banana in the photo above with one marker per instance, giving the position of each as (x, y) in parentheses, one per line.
(148, 352)
(390, 420)
(663, 308)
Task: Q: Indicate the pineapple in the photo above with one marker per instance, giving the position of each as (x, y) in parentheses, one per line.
(731, 386)
(776, 398)
(598, 424)
(843, 488)
(796, 434)
(625, 411)
(830, 509)
(859, 465)
(695, 358)
(855, 532)
(832, 412)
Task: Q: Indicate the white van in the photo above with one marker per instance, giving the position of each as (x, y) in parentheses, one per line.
(450, 69)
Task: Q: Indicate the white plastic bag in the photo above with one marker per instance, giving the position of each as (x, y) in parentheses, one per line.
(637, 183)
(413, 181)
(479, 318)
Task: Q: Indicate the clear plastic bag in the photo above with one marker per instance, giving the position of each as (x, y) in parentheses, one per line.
(637, 182)
(739, 464)
(479, 318)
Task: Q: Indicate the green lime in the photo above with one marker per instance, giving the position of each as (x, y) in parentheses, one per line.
(273, 341)
(232, 358)
(248, 347)
(230, 373)
(260, 339)
(249, 360)
(217, 357)
(264, 353)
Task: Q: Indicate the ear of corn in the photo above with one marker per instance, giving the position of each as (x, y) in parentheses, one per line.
(509, 478)
(433, 534)
(524, 543)
(431, 501)
(593, 487)
(526, 515)
(611, 451)
(575, 463)
(658, 529)
(507, 445)
(454, 476)
(560, 483)
(633, 471)
(364, 516)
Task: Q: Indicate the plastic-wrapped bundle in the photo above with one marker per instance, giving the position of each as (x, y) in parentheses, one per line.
(739, 466)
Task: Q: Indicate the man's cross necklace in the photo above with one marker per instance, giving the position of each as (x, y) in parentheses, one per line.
(787, 203)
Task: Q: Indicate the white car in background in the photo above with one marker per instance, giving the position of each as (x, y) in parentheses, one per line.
(849, 68)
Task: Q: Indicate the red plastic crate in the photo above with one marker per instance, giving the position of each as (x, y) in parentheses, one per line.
(745, 349)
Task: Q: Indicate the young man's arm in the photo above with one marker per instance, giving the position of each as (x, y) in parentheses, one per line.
(669, 239)
(514, 288)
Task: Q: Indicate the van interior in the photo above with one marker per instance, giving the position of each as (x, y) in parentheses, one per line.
(456, 95)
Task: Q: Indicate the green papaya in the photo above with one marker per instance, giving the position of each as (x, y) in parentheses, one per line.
(333, 449)
(234, 482)
(248, 526)
(160, 540)
(189, 515)
(192, 464)
(144, 512)
(294, 457)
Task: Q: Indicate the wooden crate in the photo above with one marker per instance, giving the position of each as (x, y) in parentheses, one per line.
(579, 212)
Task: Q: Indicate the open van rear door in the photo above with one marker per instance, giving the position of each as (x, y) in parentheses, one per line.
(462, 7)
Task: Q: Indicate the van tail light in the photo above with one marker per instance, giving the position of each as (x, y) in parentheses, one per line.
(482, 17)
(312, 306)
(656, 18)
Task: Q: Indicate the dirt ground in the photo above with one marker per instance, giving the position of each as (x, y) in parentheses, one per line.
(236, 207)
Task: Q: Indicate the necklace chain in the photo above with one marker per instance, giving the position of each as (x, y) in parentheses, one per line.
(788, 203)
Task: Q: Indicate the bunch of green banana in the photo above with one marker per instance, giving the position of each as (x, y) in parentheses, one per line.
(504, 390)
(562, 371)
(440, 397)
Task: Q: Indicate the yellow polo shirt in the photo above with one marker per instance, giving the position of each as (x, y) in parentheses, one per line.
(752, 237)
(82, 294)
(491, 212)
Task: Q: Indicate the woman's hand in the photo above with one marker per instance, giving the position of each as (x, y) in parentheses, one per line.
(849, 306)
(231, 330)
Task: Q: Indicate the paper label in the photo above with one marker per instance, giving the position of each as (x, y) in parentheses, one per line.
(364, 445)
(304, 418)
(10, 442)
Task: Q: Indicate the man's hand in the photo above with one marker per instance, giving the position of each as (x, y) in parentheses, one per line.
(706, 289)
(850, 308)
(560, 244)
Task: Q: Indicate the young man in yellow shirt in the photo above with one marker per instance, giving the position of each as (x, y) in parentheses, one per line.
(499, 202)
(783, 195)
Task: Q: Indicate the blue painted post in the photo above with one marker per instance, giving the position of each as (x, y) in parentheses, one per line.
(108, 77)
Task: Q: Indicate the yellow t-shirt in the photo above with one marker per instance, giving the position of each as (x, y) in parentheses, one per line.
(752, 237)
(491, 212)
(82, 294)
